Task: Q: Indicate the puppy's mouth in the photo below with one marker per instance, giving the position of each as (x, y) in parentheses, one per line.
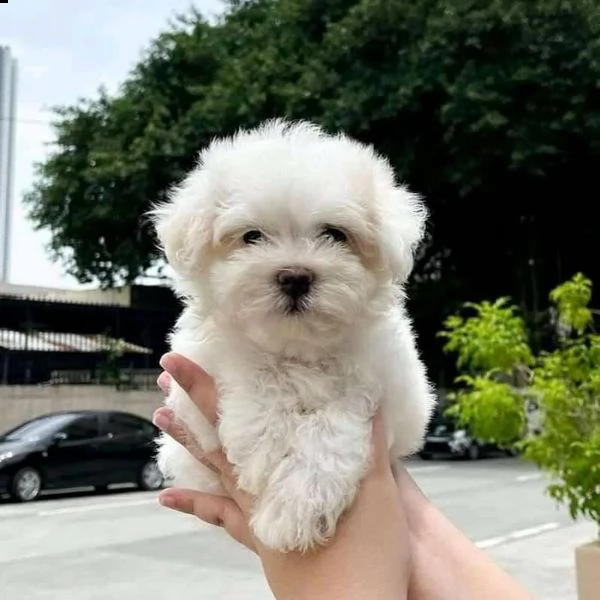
(296, 306)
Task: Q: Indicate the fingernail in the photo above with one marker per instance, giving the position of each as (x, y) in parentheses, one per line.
(164, 382)
(166, 362)
(163, 419)
(167, 501)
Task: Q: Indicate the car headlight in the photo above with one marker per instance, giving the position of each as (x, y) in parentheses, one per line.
(4, 456)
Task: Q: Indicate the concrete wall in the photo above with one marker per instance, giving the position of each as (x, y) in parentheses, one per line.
(19, 403)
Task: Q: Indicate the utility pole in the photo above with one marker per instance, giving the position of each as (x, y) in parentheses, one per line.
(8, 123)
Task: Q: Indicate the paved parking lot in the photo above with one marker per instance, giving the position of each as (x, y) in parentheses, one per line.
(124, 546)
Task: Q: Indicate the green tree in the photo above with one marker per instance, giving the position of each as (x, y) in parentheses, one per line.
(491, 111)
(491, 345)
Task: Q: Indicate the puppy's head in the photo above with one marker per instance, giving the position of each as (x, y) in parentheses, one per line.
(287, 233)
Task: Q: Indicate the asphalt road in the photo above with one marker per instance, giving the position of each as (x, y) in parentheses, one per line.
(124, 546)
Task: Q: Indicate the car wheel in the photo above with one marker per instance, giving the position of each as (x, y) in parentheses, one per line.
(473, 451)
(150, 476)
(425, 455)
(26, 485)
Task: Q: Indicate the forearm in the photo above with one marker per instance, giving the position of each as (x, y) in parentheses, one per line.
(338, 583)
(445, 564)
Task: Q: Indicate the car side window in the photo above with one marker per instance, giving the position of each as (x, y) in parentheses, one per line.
(84, 428)
(125, 425)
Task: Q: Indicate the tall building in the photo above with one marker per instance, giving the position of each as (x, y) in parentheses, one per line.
(8, 122)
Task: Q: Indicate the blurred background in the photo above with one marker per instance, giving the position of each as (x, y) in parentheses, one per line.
(489, 110)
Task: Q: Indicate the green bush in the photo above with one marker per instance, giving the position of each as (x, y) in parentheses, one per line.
(503, 377)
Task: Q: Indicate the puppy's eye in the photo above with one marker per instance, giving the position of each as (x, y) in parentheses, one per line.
(335, 234)
(253, 236)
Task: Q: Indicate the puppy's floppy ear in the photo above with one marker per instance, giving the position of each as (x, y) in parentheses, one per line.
(403, 216)
(184, 224)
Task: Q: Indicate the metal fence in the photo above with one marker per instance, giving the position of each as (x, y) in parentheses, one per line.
(45, 342)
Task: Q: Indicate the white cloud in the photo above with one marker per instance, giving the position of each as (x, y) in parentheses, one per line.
(64, 55)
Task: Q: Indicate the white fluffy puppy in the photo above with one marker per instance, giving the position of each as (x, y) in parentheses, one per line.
(290, 248)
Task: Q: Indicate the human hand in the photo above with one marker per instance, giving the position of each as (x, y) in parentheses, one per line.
(369, 554)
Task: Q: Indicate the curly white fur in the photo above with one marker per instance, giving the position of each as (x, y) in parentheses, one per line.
(297, 388)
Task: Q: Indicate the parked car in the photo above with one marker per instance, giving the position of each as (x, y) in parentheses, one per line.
(444, 438)
(78, 449)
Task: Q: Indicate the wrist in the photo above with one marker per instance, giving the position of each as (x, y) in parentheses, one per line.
(331, 573)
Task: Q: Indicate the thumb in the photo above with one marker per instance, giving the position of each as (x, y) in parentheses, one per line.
(381, 454)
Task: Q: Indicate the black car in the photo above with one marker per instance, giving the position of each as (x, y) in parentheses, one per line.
(444, 438)
(78, 449)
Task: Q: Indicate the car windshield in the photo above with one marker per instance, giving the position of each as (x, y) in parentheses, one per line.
(37, 429)
(439, 419)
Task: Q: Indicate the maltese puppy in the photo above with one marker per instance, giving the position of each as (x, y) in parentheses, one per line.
(290, 248)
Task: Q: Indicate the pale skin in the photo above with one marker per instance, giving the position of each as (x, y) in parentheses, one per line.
(391, 544)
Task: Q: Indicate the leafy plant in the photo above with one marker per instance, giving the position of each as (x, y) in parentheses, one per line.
(114, 351)
(564, 382)
(493, 338)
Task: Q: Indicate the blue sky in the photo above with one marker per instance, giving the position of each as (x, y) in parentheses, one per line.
(66, 49)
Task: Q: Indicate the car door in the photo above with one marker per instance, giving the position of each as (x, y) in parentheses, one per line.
(72, 460)
(127, 445)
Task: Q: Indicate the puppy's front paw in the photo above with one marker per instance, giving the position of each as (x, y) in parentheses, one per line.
(293, 517)
(277, 525)
(181, 469)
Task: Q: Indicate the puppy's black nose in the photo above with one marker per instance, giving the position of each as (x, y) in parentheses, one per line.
(295, 282)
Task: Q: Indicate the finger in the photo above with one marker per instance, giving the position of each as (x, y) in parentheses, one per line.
(381, 455)
(164, 419)
(215, 510)
(164, 382)
(244, 500)
(216, 461)
(195, 381)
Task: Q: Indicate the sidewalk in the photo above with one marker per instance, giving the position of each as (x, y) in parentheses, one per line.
(545, 564)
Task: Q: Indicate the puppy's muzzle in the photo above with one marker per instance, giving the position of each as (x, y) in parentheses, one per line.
(295, 282)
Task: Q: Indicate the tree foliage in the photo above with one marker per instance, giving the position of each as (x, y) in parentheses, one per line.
(506, 341)
(492, 111)
(564, 383)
